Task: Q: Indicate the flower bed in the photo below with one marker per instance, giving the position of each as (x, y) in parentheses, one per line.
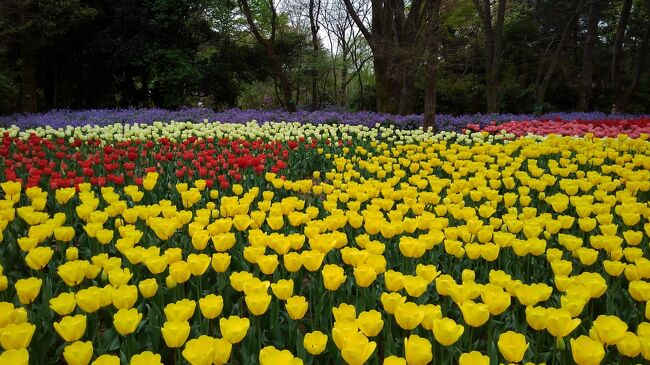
(103, 117)
(321, 244)
(634, 127)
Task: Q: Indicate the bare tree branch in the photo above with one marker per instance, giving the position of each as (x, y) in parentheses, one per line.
(355, 16)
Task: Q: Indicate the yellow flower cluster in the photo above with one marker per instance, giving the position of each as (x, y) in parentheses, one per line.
(403, 253)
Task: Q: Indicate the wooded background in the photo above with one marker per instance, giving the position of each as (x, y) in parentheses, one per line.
(396, 56)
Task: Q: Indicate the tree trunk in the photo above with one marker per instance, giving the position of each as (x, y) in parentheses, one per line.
(618, 46)
(540, 93)
(397, 50)
(145, 89)
(285, 84)
(386, 99)
(313, 19)
(624, 97)
(407, 90)
(431, 87)
(587, 72)
(344, 78)
(493, 46)
(28, 93)
(269, 47)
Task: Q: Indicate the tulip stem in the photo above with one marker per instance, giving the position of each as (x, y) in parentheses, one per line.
(178, 360)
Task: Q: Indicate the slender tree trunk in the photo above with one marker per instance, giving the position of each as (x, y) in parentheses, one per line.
(145, 88)
(431, 87)
(28, 93)
(587, 72)
(313, 22)
(344, 77)
(493, 47)
(285, 84)
(55, 97)
(540, 93)
(624, 97)
(618, 46)
(269, 47)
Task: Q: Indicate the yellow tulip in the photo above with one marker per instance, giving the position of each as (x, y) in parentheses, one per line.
(180, 311)
(234, 328)
(411, 247)
(587, 351)
(573, 303)
(358, 353)
(11, 187)
(614, 268)
(220, 262)
(180, 271)
(394, 280)
(125, 296)
(258, 302)
(237, 280)
(312, 259)
(559, 322)
(78, 353)
(63, 304)
(17, 336)
(296, 307)
(344, 312)
(512, 346)
(72, 272)
(446, 331)
(267, 263)
(38, 257)
(408, 315)
(211, 305)
(417, 350)
(15, 357)
(283, 289)
(390, 301)
(200, 351)
(269, 355)
(28, 289)
(473, 358)
(71, 329)
(107, 360)
(175, 333)
(119, 277)
(200, 239)
(146, 358)
(315, 342)
(222, 351)
(197, 264)
(364, 275)
(148, 287)
(370, 323)
(496, 299)
(475, 314)
(156, 264)
(126, 321)
(608, 329)
(292, 261)
(333, 277)
(394, 360)
(72, 253)
(629, 345)
(415, 285)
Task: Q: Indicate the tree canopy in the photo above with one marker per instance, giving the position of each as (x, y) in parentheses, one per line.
(397, 56)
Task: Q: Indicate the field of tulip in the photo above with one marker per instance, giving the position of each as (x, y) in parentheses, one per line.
(286, 243)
